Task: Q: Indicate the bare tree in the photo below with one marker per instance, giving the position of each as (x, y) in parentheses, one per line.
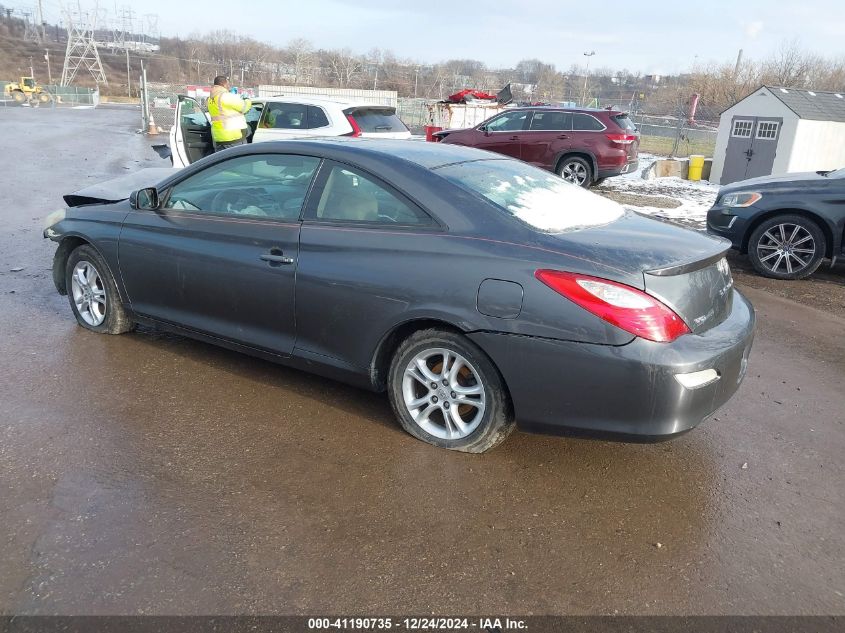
(344, 66)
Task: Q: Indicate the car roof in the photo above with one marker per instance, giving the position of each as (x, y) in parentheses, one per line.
(309, 100)
(572, 109)
(424, 154)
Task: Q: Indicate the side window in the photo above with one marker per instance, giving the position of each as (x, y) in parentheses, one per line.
(350, 196)
(190, 113)
(510, 122)
(551, 121)
(767, 129)
(262, 186)
(316, 117)
(586, 123)
(284, 116)
(742, 128)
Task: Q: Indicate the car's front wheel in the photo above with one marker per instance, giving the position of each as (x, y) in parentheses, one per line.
(576, 170)
(446, 391)
(93, 294)
(787, 247)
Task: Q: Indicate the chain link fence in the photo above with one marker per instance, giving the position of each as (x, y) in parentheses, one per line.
(658, 135)
(49, 96)
(161, 101)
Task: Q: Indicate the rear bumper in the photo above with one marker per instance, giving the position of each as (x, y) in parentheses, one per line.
(629, 390)
(609, 172)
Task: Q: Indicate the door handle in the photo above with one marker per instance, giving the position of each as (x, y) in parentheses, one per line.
(749, 153)
(563, 136)
(514, 138)
(275, 257)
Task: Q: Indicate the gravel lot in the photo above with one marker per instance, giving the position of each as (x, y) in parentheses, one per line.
(149, 473)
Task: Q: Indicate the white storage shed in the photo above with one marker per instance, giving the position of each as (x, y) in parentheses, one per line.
(775, 131)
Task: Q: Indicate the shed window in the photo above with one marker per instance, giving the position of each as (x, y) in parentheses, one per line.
(767, 129)
(742, 128)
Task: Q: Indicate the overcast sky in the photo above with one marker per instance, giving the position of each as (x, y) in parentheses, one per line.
(645, 36)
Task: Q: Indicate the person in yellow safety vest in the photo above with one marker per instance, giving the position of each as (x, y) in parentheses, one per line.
(228, 124)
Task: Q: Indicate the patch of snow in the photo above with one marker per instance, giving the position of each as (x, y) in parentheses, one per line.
(695, 197)
(561, 207)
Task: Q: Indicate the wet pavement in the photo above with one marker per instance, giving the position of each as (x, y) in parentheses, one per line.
(148, 473)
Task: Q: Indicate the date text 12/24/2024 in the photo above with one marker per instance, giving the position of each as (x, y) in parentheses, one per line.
(417, 624)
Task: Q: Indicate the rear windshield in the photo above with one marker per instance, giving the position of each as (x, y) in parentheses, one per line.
(372, 119)
(624, 122)
(536, 197)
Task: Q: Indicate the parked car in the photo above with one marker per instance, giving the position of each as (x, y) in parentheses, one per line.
(786, 224)
(478, 291)
(583, 146)
(280, 118)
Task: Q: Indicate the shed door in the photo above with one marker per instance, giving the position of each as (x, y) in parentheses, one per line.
(752, 146)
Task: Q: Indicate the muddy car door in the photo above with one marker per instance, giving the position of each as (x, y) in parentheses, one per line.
(218, 253)
(190, 136)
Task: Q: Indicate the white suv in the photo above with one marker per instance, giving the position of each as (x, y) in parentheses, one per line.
(280, 118)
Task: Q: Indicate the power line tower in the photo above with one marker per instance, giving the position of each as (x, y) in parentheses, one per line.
(81, 49)
(32, 31)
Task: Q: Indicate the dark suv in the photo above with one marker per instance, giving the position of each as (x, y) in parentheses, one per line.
(583, 145)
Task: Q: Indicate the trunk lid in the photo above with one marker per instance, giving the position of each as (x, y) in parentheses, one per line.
(684, 269)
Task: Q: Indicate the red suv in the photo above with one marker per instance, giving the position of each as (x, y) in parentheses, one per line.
(583, 146)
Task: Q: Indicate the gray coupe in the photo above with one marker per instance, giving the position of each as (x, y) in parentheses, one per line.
(481, 293)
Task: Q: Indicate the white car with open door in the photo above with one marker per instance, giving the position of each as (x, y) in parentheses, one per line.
(280, 118)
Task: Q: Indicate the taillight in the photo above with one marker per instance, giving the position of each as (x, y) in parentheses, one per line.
(624, 306)
(622, 139)
(356, 129)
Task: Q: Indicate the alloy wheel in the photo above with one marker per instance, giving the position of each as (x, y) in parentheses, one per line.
(89, 293)
(786, 248)
(443, 393)
(574, 172)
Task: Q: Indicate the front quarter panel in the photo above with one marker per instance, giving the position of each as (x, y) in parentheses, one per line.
(97, 225)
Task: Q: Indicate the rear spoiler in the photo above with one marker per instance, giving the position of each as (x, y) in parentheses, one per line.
(688, 267)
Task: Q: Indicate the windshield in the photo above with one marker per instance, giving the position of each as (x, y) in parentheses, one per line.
(536, 197)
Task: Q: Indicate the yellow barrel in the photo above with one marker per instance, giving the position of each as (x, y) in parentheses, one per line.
(696, 164)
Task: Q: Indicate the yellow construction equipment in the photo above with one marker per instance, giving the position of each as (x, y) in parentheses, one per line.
(26, 90)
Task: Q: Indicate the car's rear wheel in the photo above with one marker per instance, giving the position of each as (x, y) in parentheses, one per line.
(93, 294)
(446, 391)
(787, 247)
(576, 170)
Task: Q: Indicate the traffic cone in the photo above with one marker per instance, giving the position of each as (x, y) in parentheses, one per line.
(151, 127)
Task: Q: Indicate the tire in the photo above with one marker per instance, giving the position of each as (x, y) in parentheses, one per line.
(43, 97)
(576, 170)
(471, 428)
(598, 181)
(18, 97)
(787, 247)
(93, 295)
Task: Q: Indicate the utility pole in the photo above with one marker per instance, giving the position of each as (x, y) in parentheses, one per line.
(416, 80)
(738, 63)
(128, 81)
(49, 73)
(586, 76)
(31, 71)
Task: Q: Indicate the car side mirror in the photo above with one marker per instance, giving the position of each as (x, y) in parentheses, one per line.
(144, 199)
(483, 128)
